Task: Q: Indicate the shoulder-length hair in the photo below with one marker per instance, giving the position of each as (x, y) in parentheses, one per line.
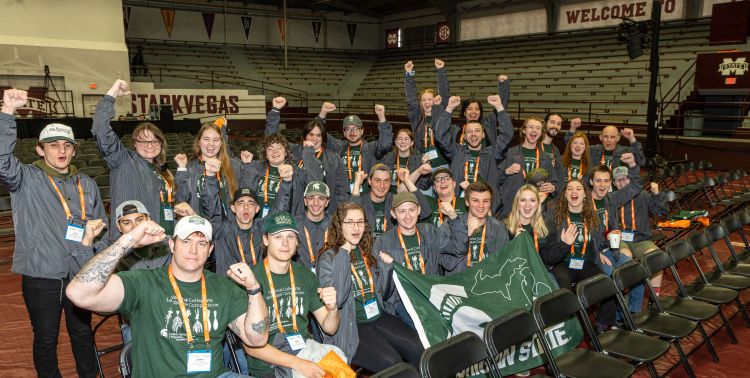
(161, 159)
(336, 235)
(567, 158)
(537, 221)
(590, 219)
(226, 170)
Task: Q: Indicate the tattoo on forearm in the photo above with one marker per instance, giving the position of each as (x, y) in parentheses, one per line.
(101, 266)
(233, 327)
(262, 326)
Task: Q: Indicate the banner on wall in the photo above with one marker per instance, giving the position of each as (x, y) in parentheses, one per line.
(352, 29)
(208, 22)
(442, 32)
(601, 13)
(168, 16)
(503, 25)
(194, 103)
(246, 22)
(316, 29)
(391, 38)
(282, 29)
(126, 17)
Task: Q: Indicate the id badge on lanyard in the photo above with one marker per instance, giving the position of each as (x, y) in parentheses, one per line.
(628, 236)
(168, 213)
(576, 263)
(265, 211)
(74, 232)
(198, 361)
(431, 153)
(371, 309)
(296, 341)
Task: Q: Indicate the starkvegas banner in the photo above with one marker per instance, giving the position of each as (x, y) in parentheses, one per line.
(596, 14)
(508, 279)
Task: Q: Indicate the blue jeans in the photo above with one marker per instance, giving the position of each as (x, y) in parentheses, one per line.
(241, 359)
(231, 374)
(635, 296)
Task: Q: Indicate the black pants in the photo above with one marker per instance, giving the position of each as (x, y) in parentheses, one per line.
(45, 300)
(566, 277)
(385, 342)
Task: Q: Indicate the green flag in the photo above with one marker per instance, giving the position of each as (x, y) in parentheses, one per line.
(507, 279)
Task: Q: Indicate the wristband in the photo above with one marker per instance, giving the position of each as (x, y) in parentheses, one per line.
(255, 291)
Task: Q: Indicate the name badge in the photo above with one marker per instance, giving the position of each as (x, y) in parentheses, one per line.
(198, 361)
(265, 211)
(628, 236)
(74, 232)
(296, 341)
(576, 264)
(431, 153)
(371, 309)
(168, 214)
(462, 194)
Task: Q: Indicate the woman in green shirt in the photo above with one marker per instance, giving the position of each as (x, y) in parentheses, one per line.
(575, 160)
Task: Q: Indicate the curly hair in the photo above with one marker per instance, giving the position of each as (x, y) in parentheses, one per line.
(590, 219)
(336, 234)
(274, 138)
(226, 170)
(567, 158)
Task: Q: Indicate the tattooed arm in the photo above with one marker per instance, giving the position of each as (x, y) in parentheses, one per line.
(252, 326)
(94, 287)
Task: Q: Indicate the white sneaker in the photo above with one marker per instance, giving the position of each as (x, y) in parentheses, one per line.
(523, 373)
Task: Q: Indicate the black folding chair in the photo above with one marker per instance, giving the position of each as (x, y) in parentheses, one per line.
(126, 361)
(511, 329)
(633, 346)
(736, 223)
(399, 370)
(716, 232)
(449, 357)
(718, 277)
(556, 307)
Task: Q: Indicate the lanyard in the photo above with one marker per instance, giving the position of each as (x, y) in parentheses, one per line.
(309, 243)
(523, 166)
(349, 160)
(536, 239)
(218, 174)
(481, 247)
(64, 203)
(579, 174)
(585, 239)
(476, 169)
(265, 186)
(185, 318)
(406, 254)
(632, 216)
(606, 215)
(428, 130)
(293, 299)
(440, 212)
(317, 156)
(398, 165)
(359, 281)
(252, 248)
(603, 160)
(161, 190)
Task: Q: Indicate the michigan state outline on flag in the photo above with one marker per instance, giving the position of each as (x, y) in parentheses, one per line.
(511, 278)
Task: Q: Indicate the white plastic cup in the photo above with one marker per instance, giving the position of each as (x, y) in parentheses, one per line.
(614, 240)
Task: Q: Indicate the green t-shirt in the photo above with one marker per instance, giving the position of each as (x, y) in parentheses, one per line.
(159, 340)
(274, 182)
(601, 212)
(351, 157)
(397, 163)
(434, 218)
(308, 301)
(411, 242)
(529, 159)
(473, 167)
(577, 219)
(437, 159)
(380, 220)
(607, 158)
(475, 245)
(362, 279)
(575, 168)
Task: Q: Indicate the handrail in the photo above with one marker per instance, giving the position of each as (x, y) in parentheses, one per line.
(679, 85)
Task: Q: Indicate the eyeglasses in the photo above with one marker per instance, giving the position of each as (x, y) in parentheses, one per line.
(152, 143)
(353, 224)
(351, 129)
(442, 179)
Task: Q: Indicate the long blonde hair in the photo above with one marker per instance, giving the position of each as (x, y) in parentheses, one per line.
(226, 170)
(537, 221)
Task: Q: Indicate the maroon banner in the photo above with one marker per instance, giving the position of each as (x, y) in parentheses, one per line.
(391, 38)
(352, 29)
(208, 22)
(316, 29)
(168, 16)
(126, 17)
(442, 33)
(282, 28)
(246, 22)
(723, 73)
(730, 23)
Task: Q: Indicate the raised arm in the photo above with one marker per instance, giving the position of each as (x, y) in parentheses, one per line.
(273, 117)
(657, 203)
(385, 134)
(442, 125)
(109, 144)
(635, 147)
(412, 102)
(444, 87)
(332, 143)
(621, 197)
(11, 169)
(94, 287)
(252, 326)
(183, 179)
(504, 128)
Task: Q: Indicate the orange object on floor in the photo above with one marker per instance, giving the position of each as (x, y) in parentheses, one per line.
(335, 367)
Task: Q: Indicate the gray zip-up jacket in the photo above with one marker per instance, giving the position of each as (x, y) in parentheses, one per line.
(596, 153)
(413, 162)
(334, 269)
(334, 174)
(646, 204)
(454, 255)
(509, 184)
(255, 173)
(366, 202)
(130, 177)
(187, 183)
(41, 249)
(618, 198)
(317, 233)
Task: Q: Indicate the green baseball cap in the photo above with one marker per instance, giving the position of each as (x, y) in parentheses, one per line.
(402, 198)
(317, 188)
(282, 221)
(352, 120)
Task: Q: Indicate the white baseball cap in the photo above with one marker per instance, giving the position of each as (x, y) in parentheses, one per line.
(57, 131)
(193, 223)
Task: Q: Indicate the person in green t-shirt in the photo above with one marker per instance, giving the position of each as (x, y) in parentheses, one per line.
(181, 312)
(575, 160)
(292, 292)
(444, 187)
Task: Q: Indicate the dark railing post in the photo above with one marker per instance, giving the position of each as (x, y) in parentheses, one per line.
(588, 129)
(212, 79)
(519, 110)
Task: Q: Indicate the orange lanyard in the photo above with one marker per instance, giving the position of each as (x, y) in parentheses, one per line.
(523, 166)
(309, 243)
(476, 169)
(185, 318)
(632, 216)
(536, 240)
(218, 174)
(272, 289)
(359, 281)
(579, 175)
(169, 192)
(461, 138)
(265, 186)
(316, 156)
(603, 160)
(585, 239)
(606, 215)
(64, 203)
(428, 130)
(481, 247)
(242, 251)
(398, 165)
(440, 212)
(349, 160)
(406, 254)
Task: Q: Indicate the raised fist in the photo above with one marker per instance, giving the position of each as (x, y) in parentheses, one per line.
(13, 99)
(629, 134)
(453, 103)
(246, 156)
(439, 63)
(279, 102)
(359, 177)
(575, 123)
(384, 257)
(213, 166)
(502, 78)
(437, 100)
(425, 168)
(243, 275)
(181, 160)
(472, 224)
(513, 169)
(327, 107)
(94, 227)
(380, 112)
(409, 66)
(328, 297)
(285, 172)
(654, 188)
(628, 158)
(447, 209)
(183, 209)
(496, 103)
(308, 143)
(147, 233)
(402, 174)
(119, 88)
(464, 184)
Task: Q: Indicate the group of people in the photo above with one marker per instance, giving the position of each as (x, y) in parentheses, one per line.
(292, 250)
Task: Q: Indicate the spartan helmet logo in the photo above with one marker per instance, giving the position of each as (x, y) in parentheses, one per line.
(449, 300)
(736, 67)
(316, 186)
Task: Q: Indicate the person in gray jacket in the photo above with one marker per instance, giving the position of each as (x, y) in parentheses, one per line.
(51, 202)
(313, 225)
(370, 337)
(135, 174)
(377, 202)
(609, 152)
(403, 156)
(419, 111)
(475, 234)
